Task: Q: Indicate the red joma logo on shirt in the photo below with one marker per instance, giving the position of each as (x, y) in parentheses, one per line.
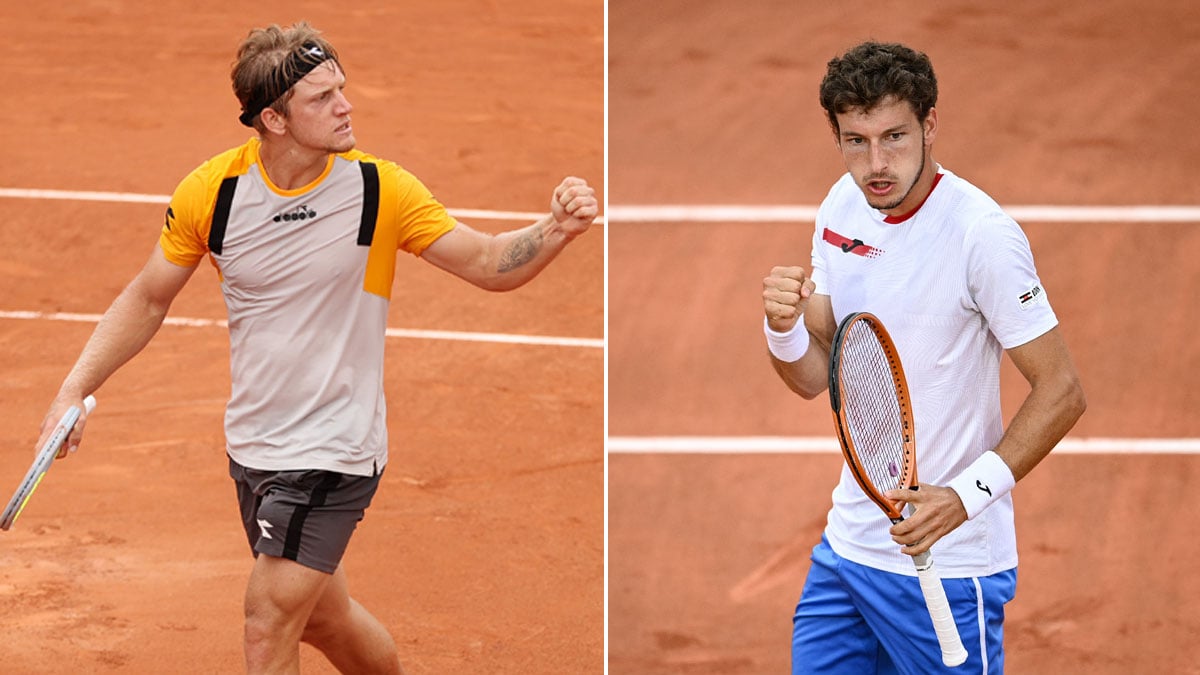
(855, 246)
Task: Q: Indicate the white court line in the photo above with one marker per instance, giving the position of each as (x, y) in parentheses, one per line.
(806, 214)
(824, 445)
(591, 343)
(135, 198)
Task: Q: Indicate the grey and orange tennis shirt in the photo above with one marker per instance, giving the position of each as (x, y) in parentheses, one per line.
(306, 275)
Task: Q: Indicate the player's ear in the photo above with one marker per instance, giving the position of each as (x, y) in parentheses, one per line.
(273, 121)
(929, 126)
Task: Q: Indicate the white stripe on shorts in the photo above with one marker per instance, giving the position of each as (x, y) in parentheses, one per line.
(983, 650)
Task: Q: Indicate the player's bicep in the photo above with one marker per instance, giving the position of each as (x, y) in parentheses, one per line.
(160, 280)
(1045, 360)
(462, 252)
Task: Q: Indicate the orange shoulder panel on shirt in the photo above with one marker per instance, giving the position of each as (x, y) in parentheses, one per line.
(184, 237)
(409, 219)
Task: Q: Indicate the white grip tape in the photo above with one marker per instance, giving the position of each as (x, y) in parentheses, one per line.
(985, 481)
(953, 652)
(89, 404)
(790, 346)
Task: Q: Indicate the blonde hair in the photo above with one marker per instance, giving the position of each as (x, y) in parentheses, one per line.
(270, 61)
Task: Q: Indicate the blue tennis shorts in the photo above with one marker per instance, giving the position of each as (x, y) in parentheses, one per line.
(857, 620)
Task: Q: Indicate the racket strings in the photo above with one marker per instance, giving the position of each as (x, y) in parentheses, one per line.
(874, 418)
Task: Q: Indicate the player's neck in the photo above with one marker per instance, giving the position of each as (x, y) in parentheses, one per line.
(916, 196)
(290, 166)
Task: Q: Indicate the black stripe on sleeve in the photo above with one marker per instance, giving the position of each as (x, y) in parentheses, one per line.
(370, 209)
(216, 234)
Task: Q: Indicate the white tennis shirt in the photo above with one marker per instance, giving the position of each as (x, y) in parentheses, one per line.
(955, 284)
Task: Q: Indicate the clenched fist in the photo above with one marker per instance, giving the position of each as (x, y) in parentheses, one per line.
(785, 297)
(574, 205)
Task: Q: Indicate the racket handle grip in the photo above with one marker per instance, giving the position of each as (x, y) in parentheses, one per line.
(89, 404)
(953, 652)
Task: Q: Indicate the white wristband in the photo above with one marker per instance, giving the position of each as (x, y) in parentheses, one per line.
(985, 481)
(789, 346)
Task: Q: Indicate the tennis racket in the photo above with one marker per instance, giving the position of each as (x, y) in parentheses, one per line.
(874, 419)
(41, 463)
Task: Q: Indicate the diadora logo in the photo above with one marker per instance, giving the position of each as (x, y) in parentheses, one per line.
(855, 246)
(301, 212)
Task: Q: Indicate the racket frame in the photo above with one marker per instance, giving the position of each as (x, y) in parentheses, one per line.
(908, 468)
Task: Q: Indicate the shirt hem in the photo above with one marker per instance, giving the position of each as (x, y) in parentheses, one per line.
(367, 467)
(902, 564)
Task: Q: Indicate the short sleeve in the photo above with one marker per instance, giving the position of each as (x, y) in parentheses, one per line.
(818, 273)
(184, 237)
(420, 219)
(1004, 283)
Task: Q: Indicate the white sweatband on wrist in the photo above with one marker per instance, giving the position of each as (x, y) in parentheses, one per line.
(789, 346)
(985, 481)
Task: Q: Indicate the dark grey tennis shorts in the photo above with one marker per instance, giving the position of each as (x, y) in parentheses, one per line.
(306, 516)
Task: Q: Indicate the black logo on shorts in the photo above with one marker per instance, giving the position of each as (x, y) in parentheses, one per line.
(301, 212)
(979, 484)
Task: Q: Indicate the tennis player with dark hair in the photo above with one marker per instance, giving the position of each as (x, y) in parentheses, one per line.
(953, 279)
(304, 231)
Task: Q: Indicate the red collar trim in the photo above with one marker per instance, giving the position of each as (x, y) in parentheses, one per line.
(895, 220)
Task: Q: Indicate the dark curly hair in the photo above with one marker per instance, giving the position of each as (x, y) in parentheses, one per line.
(873, 71)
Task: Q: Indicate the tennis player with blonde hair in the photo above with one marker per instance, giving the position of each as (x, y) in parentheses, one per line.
(304, 230)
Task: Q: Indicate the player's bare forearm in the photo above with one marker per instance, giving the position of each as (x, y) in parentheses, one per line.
(1055, 402)
(124, 330)
(126, 327)
(516, 257)
(508, 260)
(498, 262)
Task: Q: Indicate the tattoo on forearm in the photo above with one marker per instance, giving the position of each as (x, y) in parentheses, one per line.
(521, 250)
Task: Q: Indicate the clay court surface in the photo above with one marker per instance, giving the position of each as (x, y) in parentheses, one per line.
(1082, 106)
(483, 551)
